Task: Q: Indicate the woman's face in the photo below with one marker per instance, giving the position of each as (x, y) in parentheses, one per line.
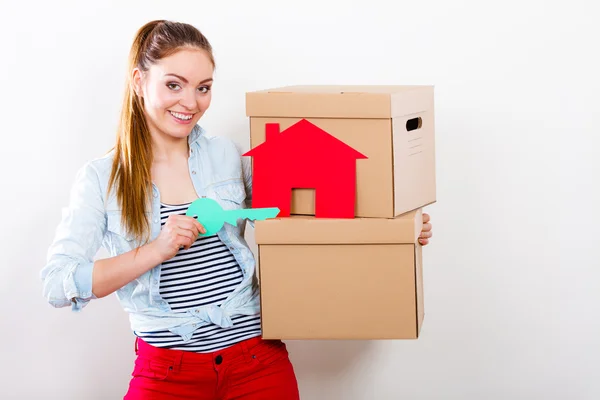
(176, 91)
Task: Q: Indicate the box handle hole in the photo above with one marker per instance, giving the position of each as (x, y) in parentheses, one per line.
(413, 124)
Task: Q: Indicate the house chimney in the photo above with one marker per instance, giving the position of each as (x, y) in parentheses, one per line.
(271, 131)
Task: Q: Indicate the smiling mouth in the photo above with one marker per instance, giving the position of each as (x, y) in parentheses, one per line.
(183, 117)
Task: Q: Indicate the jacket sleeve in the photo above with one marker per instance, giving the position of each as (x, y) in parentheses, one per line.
(67, 275)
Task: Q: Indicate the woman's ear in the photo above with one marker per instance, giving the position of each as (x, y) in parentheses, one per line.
(136, 81)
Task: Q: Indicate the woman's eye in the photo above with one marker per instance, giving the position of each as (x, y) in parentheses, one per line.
(204, 89)
(173, 86)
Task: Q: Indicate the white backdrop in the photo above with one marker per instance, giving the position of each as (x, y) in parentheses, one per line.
(512, 276)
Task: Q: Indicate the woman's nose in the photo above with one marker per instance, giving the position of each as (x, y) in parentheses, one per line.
(189, 99)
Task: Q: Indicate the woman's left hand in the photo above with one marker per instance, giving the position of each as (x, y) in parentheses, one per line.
(426, 232)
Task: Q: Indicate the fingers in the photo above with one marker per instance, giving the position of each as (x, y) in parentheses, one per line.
(185, 237)
(426, 234)
(185, 222)
(192, 225)
(198, 225)
(183, 230)
(426, 227)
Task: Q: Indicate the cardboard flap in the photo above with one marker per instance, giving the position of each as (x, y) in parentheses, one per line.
(339, 101)
(310, 230)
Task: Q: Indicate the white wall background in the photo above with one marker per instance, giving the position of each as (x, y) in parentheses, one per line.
(512, 277)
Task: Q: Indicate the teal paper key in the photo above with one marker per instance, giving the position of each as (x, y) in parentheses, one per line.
(212, 216)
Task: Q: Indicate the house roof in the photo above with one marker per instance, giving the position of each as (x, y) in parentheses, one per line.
(302, 135)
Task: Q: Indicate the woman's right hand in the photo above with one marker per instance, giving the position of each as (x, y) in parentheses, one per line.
(179, 231)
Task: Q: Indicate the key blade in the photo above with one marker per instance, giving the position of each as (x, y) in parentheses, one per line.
(256, 214)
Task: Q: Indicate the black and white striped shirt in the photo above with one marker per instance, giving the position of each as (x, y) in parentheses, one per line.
(204, 274)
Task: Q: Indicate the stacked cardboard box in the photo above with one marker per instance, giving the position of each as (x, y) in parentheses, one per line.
(328, 271)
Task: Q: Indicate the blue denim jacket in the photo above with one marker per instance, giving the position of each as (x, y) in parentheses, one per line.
(92, 220)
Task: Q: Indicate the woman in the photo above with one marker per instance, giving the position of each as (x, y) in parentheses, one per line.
(193, 302)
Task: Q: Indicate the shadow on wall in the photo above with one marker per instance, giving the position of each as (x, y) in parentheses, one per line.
(326, 357)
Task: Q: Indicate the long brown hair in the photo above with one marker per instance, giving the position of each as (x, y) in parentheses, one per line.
(131, 168)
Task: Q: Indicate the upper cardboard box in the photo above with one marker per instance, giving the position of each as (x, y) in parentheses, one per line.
(354, 101)
(392, 126)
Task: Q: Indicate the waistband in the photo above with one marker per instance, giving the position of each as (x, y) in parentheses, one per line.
(178, 357)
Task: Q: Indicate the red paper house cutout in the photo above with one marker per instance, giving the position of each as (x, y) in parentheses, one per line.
(304, 156)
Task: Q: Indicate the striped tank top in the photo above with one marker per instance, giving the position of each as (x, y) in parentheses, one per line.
(204, 274)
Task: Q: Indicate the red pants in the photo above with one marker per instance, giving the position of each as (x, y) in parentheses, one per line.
(250, 370)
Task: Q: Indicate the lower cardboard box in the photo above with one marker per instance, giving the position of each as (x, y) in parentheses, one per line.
(355, 278)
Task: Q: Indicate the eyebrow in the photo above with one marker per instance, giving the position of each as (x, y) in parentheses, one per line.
(186, 81)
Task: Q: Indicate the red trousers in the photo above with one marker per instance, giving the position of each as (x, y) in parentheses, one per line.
(251, 370)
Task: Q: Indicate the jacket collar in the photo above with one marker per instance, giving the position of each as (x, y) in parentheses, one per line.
(196, 133)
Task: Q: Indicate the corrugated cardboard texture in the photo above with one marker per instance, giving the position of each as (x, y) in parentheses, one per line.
(399, 174)
(310, 230)
(339, 291)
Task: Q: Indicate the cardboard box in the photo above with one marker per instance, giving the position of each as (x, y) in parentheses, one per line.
(341, 278)
(392, 125)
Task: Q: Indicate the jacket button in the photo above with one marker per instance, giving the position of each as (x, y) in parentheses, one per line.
(218, 360)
